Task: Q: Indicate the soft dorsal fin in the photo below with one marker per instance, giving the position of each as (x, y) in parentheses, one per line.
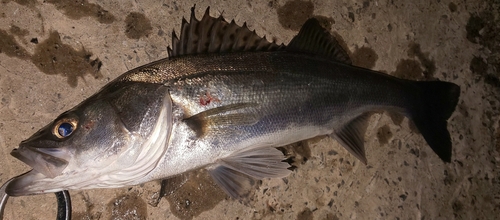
(216, 35)
(314, 39)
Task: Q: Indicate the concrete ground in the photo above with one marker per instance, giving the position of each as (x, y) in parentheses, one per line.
(53, 55)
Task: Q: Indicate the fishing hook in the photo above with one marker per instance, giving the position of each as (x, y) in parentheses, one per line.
(63, 202)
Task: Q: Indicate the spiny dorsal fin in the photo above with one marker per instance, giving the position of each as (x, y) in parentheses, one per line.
(216, 35)
(314, 39)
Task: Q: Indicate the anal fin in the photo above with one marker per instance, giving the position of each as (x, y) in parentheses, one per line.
(351, 136)
(236, 173)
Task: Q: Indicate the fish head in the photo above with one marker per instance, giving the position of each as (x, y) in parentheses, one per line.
(82, 147)
(91, 132)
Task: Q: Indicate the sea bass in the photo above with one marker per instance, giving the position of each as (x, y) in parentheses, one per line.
(223, 100)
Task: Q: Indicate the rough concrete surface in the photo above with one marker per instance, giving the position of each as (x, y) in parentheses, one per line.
(54, 54)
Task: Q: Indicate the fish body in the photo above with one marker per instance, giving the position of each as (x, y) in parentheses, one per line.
(225, 107)
(275, 99)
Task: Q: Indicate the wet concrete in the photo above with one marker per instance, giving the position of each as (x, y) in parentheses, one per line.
(456, 41)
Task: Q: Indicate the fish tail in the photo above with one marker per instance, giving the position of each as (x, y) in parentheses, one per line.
(437, 102)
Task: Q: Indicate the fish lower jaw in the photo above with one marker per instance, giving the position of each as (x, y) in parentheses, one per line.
(23, 185)
(34, 182)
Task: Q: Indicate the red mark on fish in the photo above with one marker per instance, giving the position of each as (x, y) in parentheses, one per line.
(207, 98)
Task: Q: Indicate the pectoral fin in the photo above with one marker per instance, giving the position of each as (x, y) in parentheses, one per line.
(236, 174)
(222, 117)
(351, 136)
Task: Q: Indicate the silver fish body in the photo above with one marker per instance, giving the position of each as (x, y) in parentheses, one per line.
(226, 112)
(278, 97)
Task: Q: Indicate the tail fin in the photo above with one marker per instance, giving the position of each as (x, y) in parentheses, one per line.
(438, 101)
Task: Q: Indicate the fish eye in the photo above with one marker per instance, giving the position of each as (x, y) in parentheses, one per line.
(64, 127)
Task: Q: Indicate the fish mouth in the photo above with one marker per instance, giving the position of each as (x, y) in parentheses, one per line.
(47, 164)
(47, 161)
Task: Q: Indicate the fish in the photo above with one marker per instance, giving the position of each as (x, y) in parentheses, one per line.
(224, 100)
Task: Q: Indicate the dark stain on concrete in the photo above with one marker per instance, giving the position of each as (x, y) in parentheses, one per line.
(366, 4)
(128, 206)
(384, 134)
(89, 209)
(82, 215)
(198, 194)
(351, 16)
(408, 69)
(53, 57)
(483, 29)
(10, 47)
(29, 3)
(294, 14)
(82, 8)
(457, 207)
(473, 26)
(15, 30)
(169, 186)
(272, 3)
(364, 57)
(497, 137)
(331, 216)
(452, 6)
(137, 25)
(19, 32)
(478, 66)
(493, 80)
(306, 214)
(427, 63)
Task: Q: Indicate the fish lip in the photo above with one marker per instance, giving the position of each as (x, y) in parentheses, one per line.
(47, 161)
